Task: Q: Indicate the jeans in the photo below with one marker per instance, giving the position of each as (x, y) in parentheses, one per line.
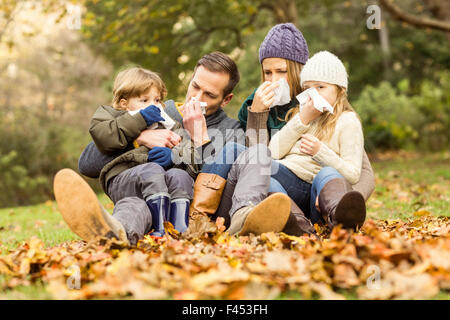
(297, 189)
(224, 160)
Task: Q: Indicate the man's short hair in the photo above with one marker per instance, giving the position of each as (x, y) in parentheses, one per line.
(220, 62)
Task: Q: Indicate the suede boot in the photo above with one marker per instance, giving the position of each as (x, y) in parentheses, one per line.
(80, 209)
(271, 214)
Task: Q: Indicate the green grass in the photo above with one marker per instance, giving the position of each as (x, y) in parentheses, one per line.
(43, 220)
(404, 186)
(414, 183)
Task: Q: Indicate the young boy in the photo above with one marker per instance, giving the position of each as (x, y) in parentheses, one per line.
(145, 194)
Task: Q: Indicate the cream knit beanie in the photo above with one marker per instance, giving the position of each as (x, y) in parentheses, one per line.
(326, 67)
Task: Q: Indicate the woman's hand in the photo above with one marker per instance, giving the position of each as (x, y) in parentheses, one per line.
(308, 113)
(309, 144)
(264, 96)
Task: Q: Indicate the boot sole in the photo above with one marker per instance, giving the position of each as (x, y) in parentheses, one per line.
(80, 209)
(271, 214)
(351, 210)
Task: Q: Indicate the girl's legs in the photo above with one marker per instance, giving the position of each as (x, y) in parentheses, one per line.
(338, 202)
(320, 180)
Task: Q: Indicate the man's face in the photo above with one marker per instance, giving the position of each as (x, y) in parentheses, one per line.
(209, 86)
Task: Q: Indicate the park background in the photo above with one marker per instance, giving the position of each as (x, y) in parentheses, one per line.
(58, 60)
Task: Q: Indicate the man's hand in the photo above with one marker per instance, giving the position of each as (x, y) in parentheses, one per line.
(158, 138)
(194, 122)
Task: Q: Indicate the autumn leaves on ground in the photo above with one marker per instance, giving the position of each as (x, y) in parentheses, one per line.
(402, 252)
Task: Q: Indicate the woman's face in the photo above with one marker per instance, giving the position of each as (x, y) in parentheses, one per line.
(328, 91)
(274, 69)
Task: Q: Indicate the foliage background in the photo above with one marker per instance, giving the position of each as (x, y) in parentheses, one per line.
(53, 77)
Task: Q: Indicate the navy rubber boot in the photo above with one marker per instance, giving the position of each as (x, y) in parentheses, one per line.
(179, 214)
(159, 208)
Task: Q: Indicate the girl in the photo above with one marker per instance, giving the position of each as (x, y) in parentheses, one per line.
(312, 140)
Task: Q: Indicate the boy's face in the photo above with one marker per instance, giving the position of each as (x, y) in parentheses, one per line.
(208, 86)
(152, 96)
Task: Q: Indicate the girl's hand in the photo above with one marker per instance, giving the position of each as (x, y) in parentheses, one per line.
(264, 96)
(309, 144)
(308, 113)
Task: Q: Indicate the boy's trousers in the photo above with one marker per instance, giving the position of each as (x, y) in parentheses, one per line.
(130, 190)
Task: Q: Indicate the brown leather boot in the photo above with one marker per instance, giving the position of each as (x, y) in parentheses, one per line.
(208, 189)
(298, 224)
(340, 204)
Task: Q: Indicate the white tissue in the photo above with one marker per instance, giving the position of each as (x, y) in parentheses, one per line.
(203, 104)
(282, 94)
(319, 102)
(168, 122)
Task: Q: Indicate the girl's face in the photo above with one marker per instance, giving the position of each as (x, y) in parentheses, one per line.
(152, 96)
(274, 69)
(328, 91)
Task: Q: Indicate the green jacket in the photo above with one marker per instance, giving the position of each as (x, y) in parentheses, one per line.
(114, 130)
(276, 115)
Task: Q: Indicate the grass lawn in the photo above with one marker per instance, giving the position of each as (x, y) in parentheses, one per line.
(407, 183)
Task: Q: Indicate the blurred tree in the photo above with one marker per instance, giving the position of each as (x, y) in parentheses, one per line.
(440, 10)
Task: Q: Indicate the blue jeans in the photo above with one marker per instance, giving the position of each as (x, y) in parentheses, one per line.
(224, 160)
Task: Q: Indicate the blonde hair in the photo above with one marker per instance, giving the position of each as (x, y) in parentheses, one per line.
(133, 82)
(323, 127)
(293, 71)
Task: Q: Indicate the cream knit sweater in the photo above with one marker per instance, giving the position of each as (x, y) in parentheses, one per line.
(344, 151)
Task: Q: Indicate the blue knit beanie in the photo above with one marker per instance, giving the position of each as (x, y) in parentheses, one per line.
(284, 41)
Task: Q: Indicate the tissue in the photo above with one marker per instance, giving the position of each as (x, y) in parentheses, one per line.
(318, 101)
(282, 94)
(168, 122)
(203, 105)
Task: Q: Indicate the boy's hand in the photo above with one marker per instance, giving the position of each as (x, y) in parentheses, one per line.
(158, 138)
(161, 156)
(309, 144)
(151, 115)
